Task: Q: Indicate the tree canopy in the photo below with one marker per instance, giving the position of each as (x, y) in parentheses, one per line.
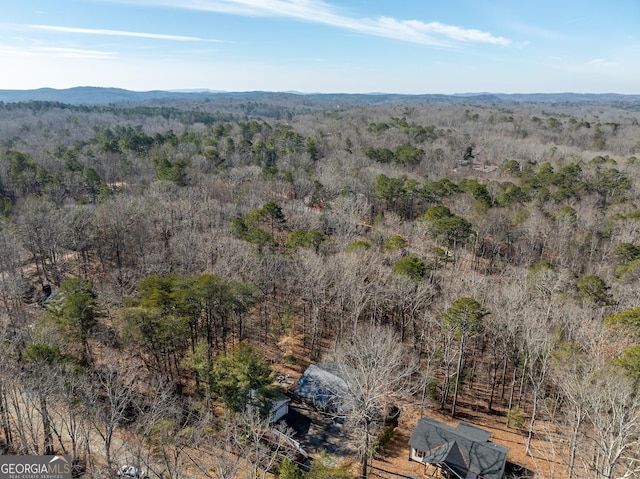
(242, 378)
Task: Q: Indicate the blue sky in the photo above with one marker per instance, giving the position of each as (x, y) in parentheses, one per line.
(350, 46)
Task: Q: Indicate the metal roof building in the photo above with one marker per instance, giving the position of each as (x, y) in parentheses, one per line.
(324, 389)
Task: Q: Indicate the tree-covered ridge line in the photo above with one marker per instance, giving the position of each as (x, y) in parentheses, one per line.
(498, 244)
(97, 95)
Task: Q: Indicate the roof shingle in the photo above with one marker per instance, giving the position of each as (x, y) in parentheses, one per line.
(464, 448)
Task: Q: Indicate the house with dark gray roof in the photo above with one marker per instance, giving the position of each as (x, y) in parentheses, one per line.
(461, 452)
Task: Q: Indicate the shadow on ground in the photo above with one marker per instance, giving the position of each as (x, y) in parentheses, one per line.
(316, 431)
(514, 471)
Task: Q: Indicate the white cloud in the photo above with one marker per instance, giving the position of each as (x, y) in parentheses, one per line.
(120, 33)
(600, 62)
(457, 33)
(52, 52)
(73, 53)
(317, 11)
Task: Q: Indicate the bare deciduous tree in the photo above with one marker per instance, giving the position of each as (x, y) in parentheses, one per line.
(613, 410)
(260, 445)
(218, 446)
(110, 400)
(539, 341)
(378, 372)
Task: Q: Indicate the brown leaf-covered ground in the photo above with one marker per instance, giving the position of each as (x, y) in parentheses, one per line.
(393, 460)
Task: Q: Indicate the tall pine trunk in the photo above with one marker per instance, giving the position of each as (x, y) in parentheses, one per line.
(455, 392)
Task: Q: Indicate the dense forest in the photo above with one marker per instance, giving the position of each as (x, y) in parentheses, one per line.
(160, 261)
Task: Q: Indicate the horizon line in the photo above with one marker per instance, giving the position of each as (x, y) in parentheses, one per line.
(297, 92)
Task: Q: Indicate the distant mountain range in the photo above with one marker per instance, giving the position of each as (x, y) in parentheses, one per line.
(103, 96)
(96, 95)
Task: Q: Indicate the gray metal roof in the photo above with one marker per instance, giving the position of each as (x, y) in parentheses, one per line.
(462, 449)
(324, 389)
